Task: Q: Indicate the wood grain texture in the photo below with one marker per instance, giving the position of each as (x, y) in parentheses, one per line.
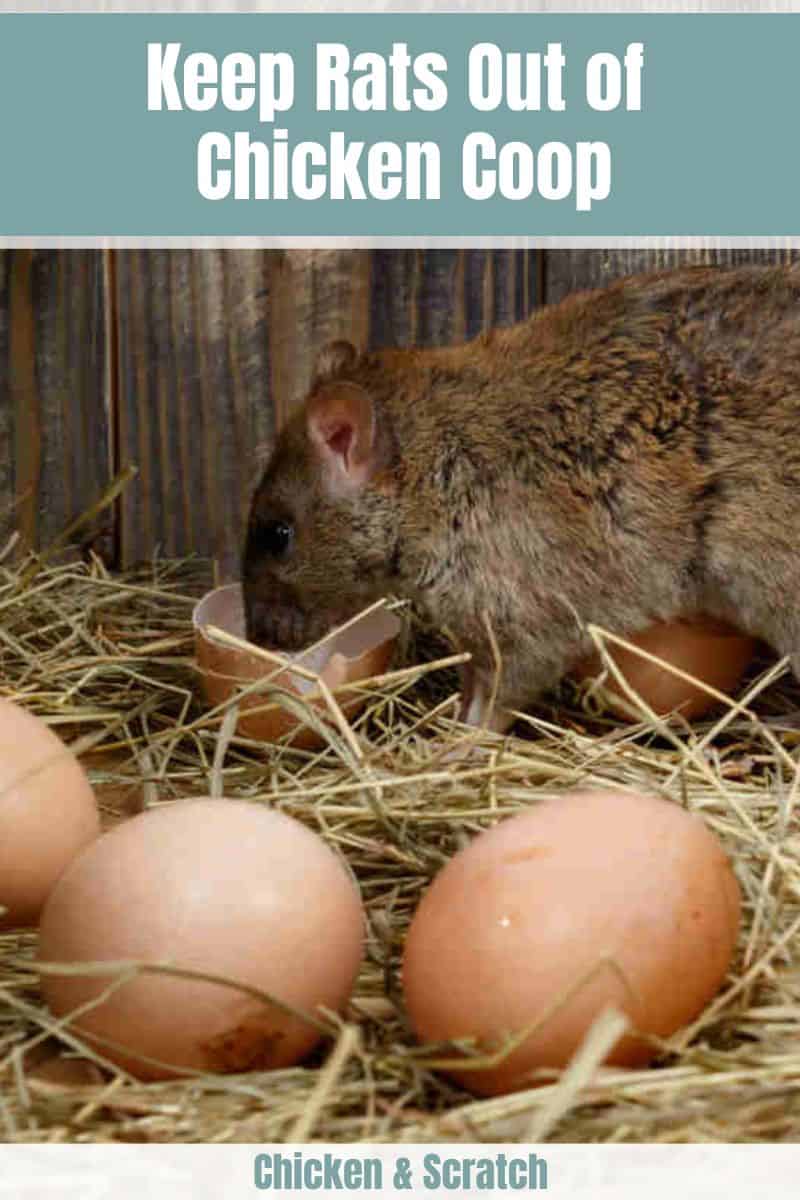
(432, 297)
(54, 429)
(191, 396)
(315, 296)
(567, 271)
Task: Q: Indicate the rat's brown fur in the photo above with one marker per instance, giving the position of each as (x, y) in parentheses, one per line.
(624, 457)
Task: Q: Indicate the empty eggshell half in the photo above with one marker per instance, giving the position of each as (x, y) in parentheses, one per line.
(709, 650)
(360, 651)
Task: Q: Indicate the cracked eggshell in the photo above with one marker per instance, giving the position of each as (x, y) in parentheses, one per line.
(710, 650)
(523, 925)
(221, 887)
(361, 651)
(48, 813)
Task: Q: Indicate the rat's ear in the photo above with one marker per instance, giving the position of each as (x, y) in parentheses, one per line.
(334, 360)
(341, 425)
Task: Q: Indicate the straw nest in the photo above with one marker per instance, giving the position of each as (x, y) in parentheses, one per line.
(108, 661)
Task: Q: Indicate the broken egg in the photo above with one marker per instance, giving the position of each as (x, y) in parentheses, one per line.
(48, 813)
(357, 652)
(221, 888)
(588, 901)
(709, 650)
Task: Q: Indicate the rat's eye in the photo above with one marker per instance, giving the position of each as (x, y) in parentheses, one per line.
(271, 537)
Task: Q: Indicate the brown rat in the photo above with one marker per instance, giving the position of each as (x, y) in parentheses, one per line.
(624, 457)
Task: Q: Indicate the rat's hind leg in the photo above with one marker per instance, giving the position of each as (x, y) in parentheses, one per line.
(755, 584)
(528, 665)
(748, 552)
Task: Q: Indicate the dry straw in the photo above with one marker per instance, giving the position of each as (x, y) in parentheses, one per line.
(108, 661)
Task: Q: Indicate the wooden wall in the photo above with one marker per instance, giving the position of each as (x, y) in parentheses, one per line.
(55, 454)
(185, 363)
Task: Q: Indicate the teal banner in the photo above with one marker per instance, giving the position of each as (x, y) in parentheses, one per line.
(417, 125)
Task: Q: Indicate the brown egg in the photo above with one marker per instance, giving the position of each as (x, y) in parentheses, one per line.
(222, 887)
(523, 924)
(362, 650)
(709, 650)
(48, 813)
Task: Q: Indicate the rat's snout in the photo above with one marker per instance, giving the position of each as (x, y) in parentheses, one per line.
(273, 617)
(281, 628)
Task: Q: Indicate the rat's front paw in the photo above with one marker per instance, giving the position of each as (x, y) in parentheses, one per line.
(477, 708)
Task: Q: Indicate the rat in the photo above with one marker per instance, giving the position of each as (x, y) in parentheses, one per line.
(628, 456)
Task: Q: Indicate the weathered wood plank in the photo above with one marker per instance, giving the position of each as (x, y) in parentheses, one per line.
(572, 270)
(432, 297)
(53, 406)
(214, 349)
(192, 396)
(315, 296)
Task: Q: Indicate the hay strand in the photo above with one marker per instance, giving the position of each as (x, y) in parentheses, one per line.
(108, 662)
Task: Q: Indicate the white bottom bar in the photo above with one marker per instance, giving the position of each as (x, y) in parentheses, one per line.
(716, 1172)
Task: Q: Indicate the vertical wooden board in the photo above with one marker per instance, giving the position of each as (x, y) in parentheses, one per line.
(70, 292)
(214, 348)
(478, 291)
(395, 282)
(515, 285)
(193, 400)
(567, 271)
(53, 397)
(436, 297)
(315, 297)
(502, 287)
(439, 314)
